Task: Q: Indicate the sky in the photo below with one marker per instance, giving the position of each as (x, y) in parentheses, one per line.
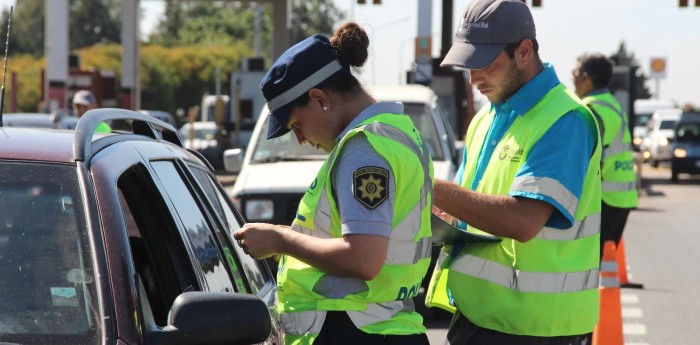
(565, 29)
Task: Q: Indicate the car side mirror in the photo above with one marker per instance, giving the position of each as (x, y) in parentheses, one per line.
(233, 160)
(198, 317)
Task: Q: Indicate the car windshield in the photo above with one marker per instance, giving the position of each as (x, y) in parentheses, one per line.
(47, 289)
(688, 132)
(287, 148)
(642, 120)
(199, 133)
(667, 124)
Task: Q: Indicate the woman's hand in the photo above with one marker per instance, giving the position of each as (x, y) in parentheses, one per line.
(259, 240)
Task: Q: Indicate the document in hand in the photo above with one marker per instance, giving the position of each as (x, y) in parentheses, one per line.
(445, 233)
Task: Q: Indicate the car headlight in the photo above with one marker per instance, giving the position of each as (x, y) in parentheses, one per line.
(637, 141)
(680, 152)
(663, 141)
(259, 209)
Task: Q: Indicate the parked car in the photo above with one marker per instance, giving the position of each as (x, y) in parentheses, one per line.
(686, 147)
(274, 174)
(656, 146)
(122, 239)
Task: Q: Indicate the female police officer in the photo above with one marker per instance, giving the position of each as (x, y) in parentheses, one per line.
(359, 247)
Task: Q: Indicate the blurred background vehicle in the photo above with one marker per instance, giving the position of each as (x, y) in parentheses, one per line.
(643, 111)
(161, 115)
(686, 146)
(656, 146)
(202, 136)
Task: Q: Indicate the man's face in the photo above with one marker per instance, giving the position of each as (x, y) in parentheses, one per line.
(500, 80)
(80, 109)
(578, 77)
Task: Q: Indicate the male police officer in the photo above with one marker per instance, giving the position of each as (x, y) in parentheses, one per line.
(530, 175)
(591, 77)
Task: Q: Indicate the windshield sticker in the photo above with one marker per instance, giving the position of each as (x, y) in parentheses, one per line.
(64, 297)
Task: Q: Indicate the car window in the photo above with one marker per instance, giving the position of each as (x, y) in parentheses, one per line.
(667, 124)
(256, 271)
(47, 281)
(159, 254)
(422, 118)
(211, 264)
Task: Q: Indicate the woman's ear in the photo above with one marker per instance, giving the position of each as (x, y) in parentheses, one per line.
(319, 97)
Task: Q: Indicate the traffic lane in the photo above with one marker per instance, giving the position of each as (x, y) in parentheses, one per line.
(661, 239)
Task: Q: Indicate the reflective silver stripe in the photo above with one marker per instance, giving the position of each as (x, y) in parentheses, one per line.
(609, 282)
(587, 227)
(608, 266)
(377, 312)
(546, 186)
(405, 253)
(608, 186)
(305, 85)
(616, 148)
(327, 286)
(542, 282)
(303, 322)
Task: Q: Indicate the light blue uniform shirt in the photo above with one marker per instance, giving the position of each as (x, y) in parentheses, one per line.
(561, 154)
(356, 153)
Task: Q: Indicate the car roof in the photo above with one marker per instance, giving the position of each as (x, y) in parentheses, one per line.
(410, 93)
(32, 143)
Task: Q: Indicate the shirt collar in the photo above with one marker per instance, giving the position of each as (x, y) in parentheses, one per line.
(533, 91)
(372, 110)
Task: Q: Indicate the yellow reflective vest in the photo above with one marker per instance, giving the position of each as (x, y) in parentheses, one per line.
(382, 305)
(547, 286)
(619, 187)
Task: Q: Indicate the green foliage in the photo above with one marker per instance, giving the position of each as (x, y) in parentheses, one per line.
(312, 17)
(171, 78)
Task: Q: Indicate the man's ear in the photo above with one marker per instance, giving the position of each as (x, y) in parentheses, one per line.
(524, 53)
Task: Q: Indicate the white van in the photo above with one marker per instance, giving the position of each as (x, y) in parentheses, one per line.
(656, 146)
(643, 110)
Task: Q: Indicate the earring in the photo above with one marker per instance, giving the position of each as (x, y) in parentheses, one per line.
(325, 109)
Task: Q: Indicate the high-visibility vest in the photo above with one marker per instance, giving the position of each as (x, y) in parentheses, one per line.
(619, 185)
(547, 286)
(382, 305)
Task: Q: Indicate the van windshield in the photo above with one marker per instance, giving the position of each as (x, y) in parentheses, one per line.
(688, 132)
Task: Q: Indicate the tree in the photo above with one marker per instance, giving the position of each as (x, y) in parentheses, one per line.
(89, 21)
(638, 79)
(93, 21)
(312, 17)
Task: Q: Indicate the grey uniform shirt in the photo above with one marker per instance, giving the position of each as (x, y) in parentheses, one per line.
(356, 154)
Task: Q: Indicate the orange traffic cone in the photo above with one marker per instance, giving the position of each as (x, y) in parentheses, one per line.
(608, 331)
(622, 267)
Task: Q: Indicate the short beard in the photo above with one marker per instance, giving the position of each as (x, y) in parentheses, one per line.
(513, 81)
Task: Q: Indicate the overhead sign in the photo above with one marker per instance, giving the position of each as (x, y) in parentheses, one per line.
(657, 67)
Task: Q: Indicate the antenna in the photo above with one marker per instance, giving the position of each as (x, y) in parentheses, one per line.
(4, 68)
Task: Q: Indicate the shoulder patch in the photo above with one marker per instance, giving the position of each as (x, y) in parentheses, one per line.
(370, 186)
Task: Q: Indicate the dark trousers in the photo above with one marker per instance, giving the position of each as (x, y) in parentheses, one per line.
(612, 223)
(338, 329)
(463, 332)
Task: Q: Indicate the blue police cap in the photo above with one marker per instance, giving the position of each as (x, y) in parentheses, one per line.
(301, 68)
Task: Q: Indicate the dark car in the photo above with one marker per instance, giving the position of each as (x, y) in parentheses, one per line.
(686, 146)
(122, 239)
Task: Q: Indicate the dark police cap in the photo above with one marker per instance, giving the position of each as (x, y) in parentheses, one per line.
(299, 69)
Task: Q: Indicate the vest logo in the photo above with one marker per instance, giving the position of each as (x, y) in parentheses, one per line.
(624, 166)
(406, 292)
(370, 186)
(514, 155)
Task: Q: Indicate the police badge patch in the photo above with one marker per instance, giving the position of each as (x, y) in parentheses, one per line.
(370, 186)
